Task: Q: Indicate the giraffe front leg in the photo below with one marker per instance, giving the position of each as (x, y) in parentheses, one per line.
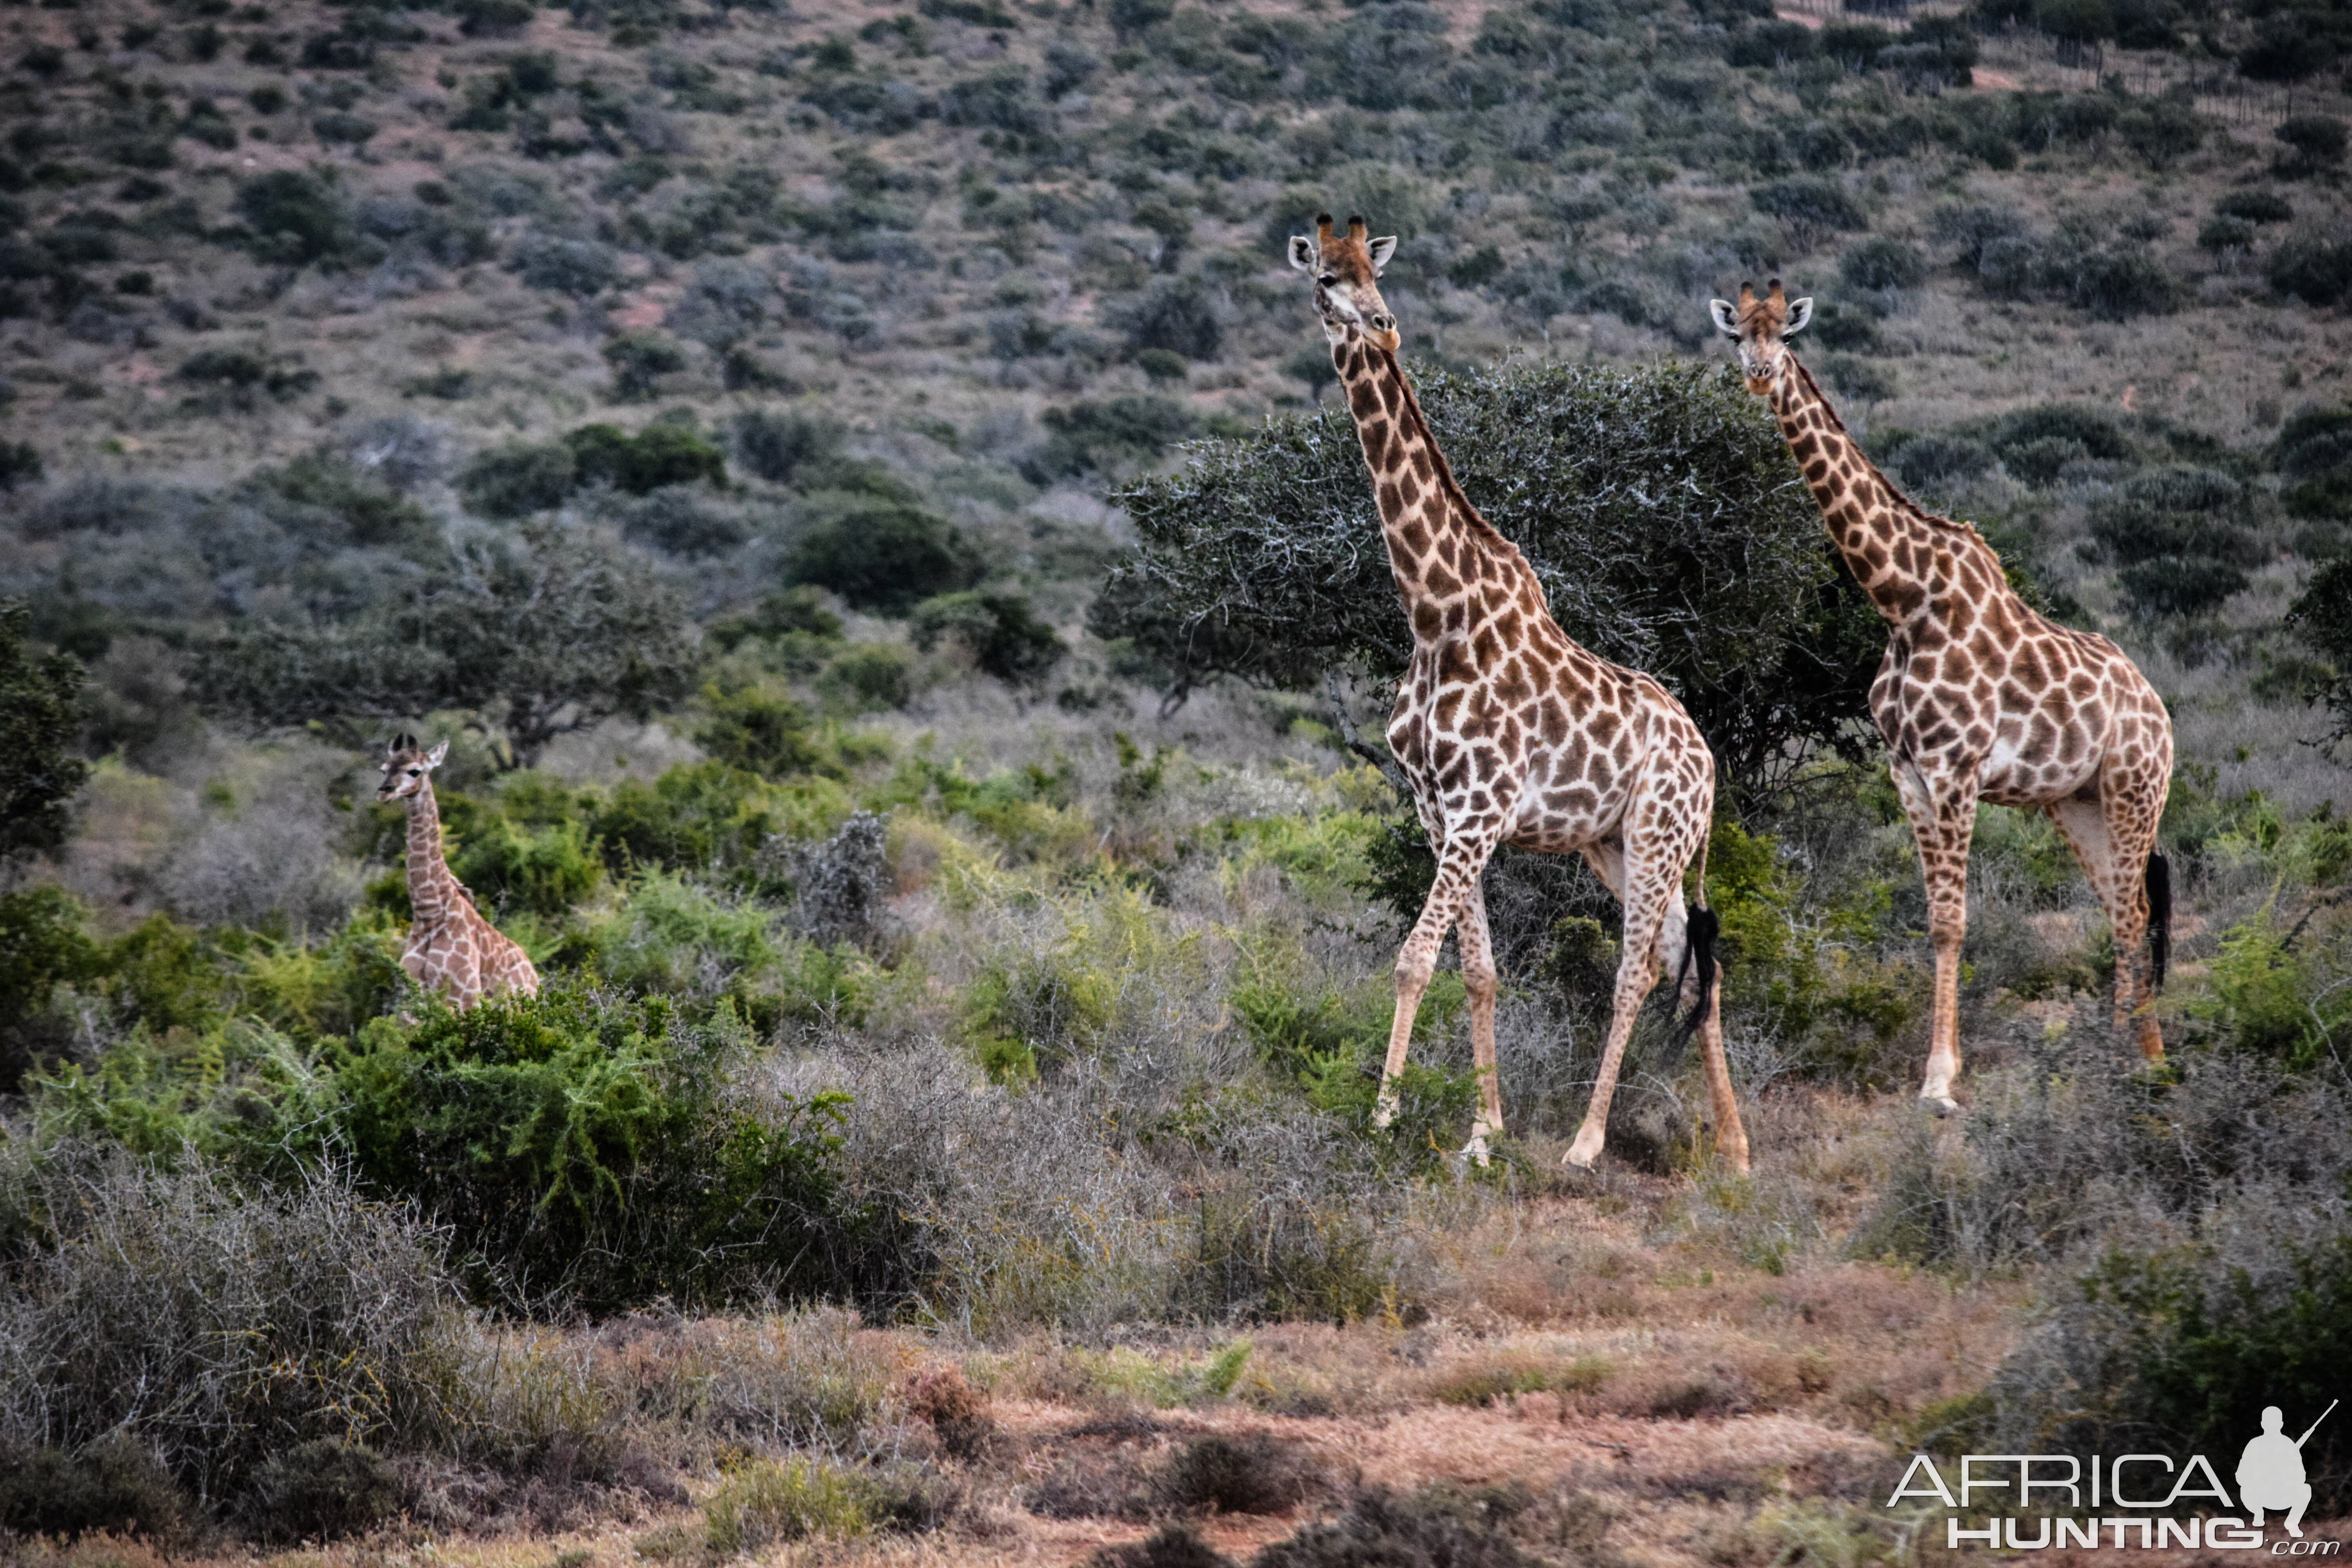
(1943, 821)
(1458, 869)
(1478, 979)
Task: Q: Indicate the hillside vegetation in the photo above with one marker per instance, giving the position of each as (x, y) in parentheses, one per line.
(855, 488)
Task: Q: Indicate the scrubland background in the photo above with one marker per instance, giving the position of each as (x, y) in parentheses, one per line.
(755, 438)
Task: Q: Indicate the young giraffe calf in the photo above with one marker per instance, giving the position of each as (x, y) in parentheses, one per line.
(451, 948)
(1511, 733)
(1979, 697)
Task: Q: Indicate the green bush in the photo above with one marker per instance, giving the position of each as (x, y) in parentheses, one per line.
(20, 464)
(516, 480)
(640, 359)
(871, 678)
(2255, 207)
(583, 1144)
(1810, 207)
(756, 729)
(1000, 632)
(777, 446)
(2322, 616)
(657, 455)
(2181, 585)
(1879, 263)
(296, 217)
(40, 715)
(884, 556)
(2312, 268)
(1106, 436)
(507, 865)
(2315, 460)
(711, 818)
(2314, 143)
(2191, 1344)
(42, 947)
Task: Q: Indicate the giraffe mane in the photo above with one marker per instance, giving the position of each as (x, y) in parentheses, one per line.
(1500, 548)
(1967, 531)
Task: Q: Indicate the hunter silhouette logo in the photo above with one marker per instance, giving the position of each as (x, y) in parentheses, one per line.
(2270, 1476)
(2269, 1473)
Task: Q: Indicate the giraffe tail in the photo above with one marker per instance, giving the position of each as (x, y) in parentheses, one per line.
(1699, 948)
(2160, 914)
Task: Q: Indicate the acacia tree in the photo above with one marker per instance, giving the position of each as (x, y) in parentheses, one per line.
(554, 631)
(1659, 506)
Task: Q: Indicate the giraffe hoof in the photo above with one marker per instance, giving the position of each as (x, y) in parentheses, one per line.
(1940, 1106)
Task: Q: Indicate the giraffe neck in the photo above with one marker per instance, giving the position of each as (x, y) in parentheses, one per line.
(432, 889)
(1883, 535)
(1438, 544)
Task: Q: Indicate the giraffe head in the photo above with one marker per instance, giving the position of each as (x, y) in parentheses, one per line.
(1347, 269)
(1762, 329)
(406, 765)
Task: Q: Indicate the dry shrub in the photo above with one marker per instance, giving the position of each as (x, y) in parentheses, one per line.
(816, 1380)
(1170, 1546)
(1505, 1377)
(112, 1484)
(98, 1549)
(1250, 1473)
(1094, 1481)
(945, 1398)
(215, 1326)
(1439, 1524)
(322, 1491)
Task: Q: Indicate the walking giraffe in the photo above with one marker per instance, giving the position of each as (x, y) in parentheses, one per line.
(1979, 697)
(1509, 732)
(451, 948)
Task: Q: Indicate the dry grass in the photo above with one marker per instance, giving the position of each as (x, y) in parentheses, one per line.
(1807, 1375)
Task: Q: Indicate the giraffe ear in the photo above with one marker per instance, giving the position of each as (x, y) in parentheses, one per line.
(1303, 254)
(433, 758)
(1382, 250)
(1800, 313)
(1726, 320)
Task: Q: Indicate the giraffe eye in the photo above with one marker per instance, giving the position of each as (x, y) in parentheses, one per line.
(1329, 278)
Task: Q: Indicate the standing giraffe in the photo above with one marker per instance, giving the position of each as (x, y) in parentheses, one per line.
(1511, 733)
(451, 948)
(1980, 698)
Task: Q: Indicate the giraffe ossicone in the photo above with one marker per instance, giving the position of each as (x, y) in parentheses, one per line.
(451, 948)
(1509, 732)
(1981, 697)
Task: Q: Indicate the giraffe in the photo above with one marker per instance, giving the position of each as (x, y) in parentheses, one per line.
(1980, 698)
(451, 948)
(1509, 732)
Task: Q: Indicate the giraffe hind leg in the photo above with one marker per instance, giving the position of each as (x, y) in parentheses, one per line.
(2114, 855)
(1647, 878)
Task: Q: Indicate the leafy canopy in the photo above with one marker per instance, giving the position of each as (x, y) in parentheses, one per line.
(1658, 505)
(553, 629)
